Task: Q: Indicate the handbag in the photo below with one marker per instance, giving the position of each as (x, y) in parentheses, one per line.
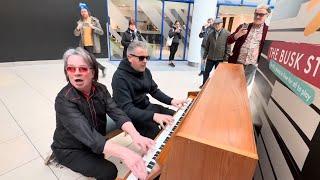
(169, 40)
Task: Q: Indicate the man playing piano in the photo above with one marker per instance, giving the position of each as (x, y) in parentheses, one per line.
(131, 83)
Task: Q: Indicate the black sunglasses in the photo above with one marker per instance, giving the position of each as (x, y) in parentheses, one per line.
(260, 14)
(141, 58)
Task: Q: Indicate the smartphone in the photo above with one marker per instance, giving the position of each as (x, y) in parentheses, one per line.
(245, 26)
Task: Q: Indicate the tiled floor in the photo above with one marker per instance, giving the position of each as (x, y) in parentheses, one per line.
(27, 116)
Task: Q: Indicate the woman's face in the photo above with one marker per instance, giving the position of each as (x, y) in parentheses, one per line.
(132, 27)
(84, 13)
(79, 73)
(177, 24)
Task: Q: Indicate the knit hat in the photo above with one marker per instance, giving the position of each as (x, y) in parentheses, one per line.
(83, 6)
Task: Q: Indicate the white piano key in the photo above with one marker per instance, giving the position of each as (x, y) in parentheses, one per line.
(162, 137)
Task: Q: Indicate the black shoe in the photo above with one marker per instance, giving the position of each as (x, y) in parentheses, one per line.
(172, 65)
(201, 73)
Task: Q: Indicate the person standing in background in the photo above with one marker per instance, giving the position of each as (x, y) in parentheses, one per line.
(89, 28)
(249, 40)
(205, 31)
(131, 34)
(174, 32)
(216, 48)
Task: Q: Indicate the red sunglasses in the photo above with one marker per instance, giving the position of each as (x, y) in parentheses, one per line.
(72, 69)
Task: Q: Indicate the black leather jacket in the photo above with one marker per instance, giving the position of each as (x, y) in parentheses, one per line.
(176, 35)
(81, 121)
(127, 37)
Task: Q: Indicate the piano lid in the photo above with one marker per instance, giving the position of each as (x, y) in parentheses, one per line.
(221, 116)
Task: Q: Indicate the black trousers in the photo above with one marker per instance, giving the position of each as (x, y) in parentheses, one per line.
(90, 164)
(173, 50)
(209, 66)
(151, 129)
(124, 53)
(90, 50)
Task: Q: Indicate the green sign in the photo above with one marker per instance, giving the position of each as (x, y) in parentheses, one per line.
(300, 88)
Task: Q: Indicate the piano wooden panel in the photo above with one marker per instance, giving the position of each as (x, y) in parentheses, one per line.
(215, 140)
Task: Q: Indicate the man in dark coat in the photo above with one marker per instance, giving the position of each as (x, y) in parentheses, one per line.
(216, 48)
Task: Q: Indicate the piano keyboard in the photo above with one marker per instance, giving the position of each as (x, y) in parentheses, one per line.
(162, 139)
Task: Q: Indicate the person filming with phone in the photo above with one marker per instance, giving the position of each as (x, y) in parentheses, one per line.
(249, 40)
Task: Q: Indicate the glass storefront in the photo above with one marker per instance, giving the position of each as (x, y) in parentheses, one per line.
(174, 11)
(153, 19)
(149, 24)
(120, 12)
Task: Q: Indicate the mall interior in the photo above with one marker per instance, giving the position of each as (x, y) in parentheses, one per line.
(266, 130)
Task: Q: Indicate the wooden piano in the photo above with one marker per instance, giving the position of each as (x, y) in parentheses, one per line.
(212, 137)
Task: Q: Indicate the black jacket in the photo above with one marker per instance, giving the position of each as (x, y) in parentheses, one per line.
(217, 48)
(176, 35)
(81, 123)
(127, 37)
(130, 89)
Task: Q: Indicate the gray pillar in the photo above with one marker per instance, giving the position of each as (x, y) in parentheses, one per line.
(202, 10)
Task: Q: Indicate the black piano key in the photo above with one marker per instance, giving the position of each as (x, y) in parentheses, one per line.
(149, 166)
(152, 163)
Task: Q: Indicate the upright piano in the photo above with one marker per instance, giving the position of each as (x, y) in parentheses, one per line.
(211, 137)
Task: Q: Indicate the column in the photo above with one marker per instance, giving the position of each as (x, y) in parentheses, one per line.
(202, 10)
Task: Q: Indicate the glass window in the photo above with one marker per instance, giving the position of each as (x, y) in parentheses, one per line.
(120, 11)
(149, 24)
(152, 21)
(174, 11)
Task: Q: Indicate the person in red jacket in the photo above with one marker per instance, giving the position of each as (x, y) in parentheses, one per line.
(249, 40)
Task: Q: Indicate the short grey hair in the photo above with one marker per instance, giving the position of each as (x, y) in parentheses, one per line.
(87, 57)
(134, 45)
(263, 6)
